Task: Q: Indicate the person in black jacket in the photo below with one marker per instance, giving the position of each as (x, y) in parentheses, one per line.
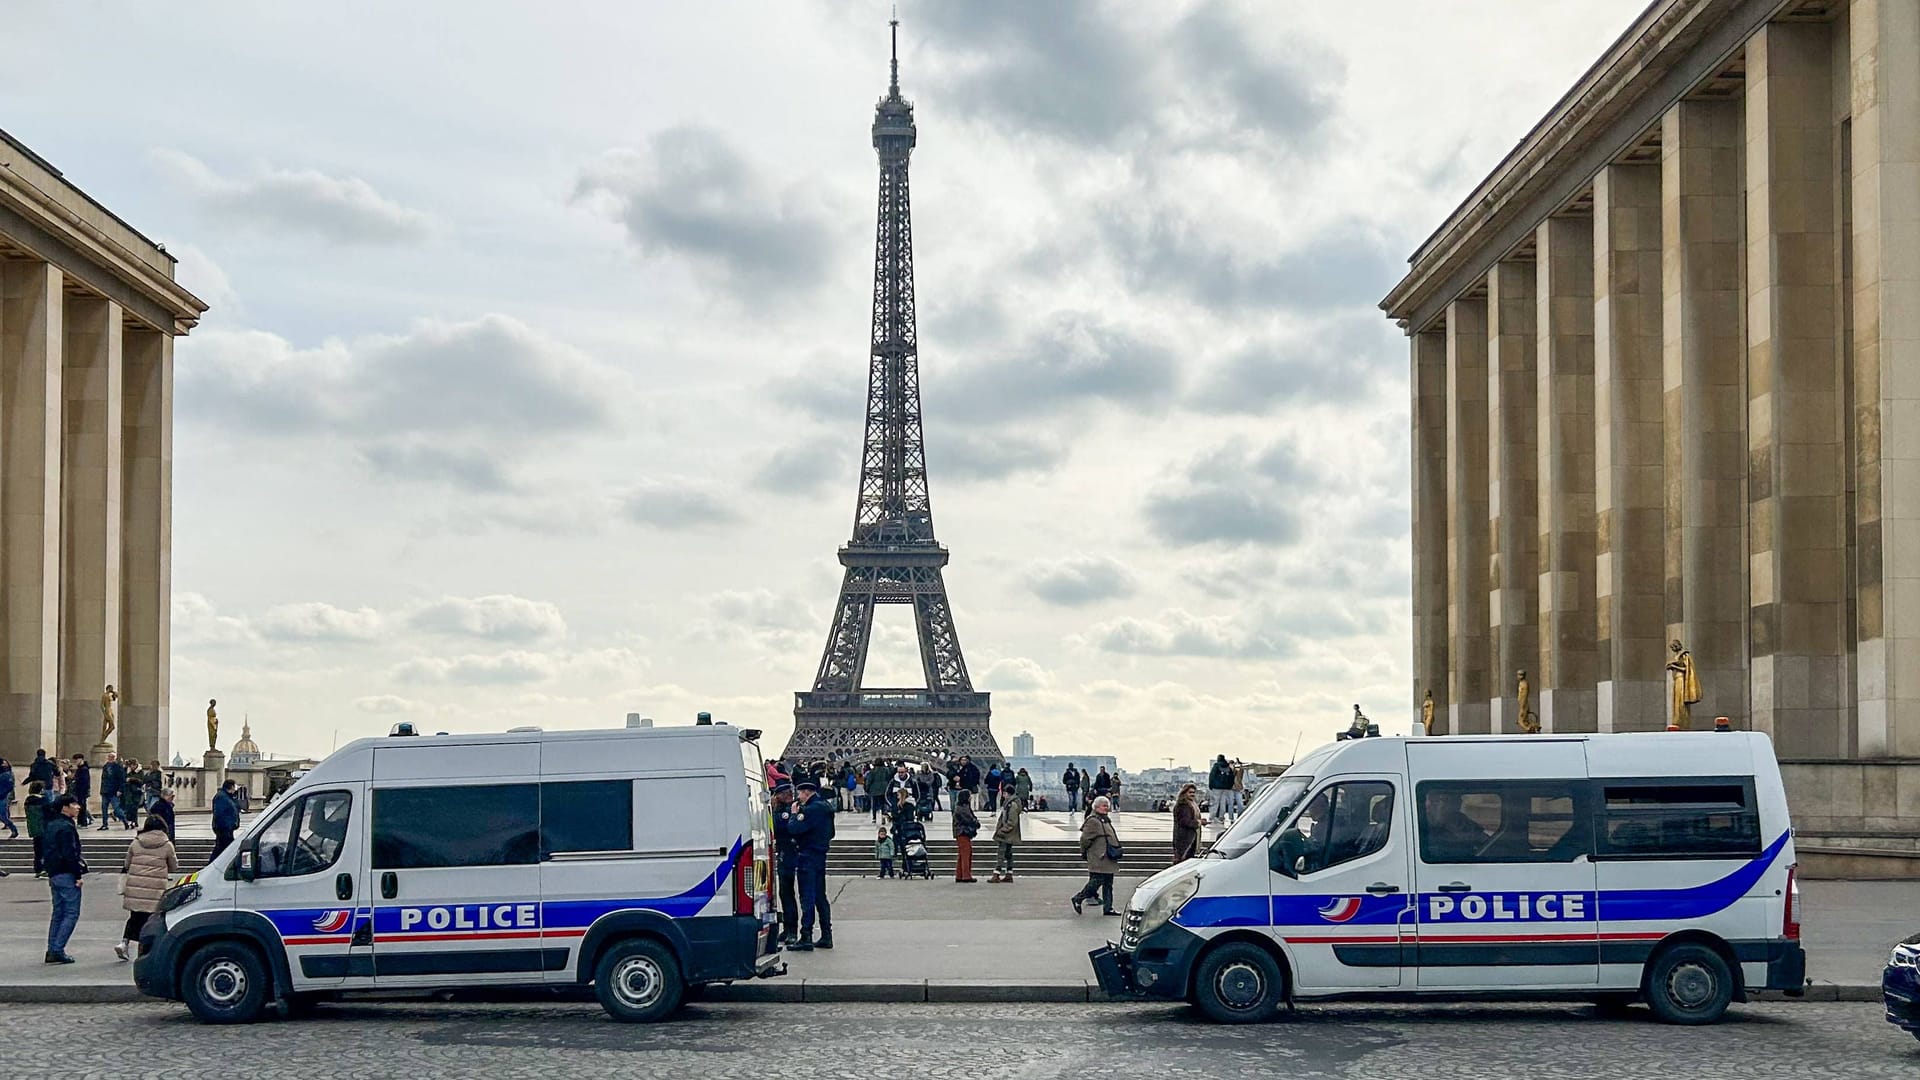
(163, 809)
(66, 867)
(810, 824)
(6, 799)
(1071, 781)
(785, 853)
(1103, 783)
(80, 787)
(226, 818)
(113, 781)
(41, 769)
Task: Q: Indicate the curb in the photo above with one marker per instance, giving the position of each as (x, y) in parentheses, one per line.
(869, 991)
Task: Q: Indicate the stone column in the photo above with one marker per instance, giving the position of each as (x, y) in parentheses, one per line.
(1469, 653)
(1429, 385)
(1884, 44)
(1704, 353)
(1629, 449)
(146, 533)
(1795, 465)
(1564, 256)
(89, 518)
(30, 341)
(1514, 499)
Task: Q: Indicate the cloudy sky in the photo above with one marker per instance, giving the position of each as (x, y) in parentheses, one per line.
(530, 392)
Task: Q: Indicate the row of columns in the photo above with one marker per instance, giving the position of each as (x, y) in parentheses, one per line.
(1692, 412)
(86, 449)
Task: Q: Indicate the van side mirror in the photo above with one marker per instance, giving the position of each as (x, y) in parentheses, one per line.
(246, 864)
(1288, 853)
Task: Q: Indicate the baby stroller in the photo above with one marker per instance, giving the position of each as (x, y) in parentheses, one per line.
(910, 837)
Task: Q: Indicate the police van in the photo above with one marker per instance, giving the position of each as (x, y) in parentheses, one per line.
(636, 860)
(1615, 867)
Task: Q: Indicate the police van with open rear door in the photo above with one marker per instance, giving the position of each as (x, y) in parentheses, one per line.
(636, 860)
(1610, 868)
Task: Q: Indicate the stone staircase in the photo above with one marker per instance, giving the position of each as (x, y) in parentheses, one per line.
(104, 851)
(1038, 858)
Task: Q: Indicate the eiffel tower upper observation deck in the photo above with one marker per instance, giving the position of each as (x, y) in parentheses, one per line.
(893, 557)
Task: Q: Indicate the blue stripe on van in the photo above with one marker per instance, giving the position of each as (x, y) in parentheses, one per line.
(1615, 906)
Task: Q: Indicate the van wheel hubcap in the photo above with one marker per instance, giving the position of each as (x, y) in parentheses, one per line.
(1691, 986)
(638, 982)
(223, 982)
(1240, 986)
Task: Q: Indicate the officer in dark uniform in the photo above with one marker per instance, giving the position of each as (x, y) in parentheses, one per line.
(810, 824)
(786, 856)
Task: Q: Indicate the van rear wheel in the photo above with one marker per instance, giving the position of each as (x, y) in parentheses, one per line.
(225, 983)
(1689, 984)
(638, 981)
(1238, 983)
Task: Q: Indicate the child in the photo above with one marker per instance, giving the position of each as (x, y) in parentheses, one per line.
(883, 850)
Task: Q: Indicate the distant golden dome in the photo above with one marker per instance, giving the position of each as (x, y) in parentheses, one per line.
(246, 751)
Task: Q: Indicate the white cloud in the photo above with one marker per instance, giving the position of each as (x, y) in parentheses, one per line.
(385, 704)
(499, 617)
(343, 209)
(1015, 673)
(317, 621)
(1081, 580)
(497, 669)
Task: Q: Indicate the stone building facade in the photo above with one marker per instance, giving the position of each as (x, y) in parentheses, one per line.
(88, 314)
(1666, 385)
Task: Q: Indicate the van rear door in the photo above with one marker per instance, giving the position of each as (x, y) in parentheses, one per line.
(1503, 865)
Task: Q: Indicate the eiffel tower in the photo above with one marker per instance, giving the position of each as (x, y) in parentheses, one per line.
(893, 557)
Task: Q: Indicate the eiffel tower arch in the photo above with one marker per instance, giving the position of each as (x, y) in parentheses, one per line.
(893, 557)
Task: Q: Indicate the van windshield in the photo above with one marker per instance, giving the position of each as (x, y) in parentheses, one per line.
(1274, 802)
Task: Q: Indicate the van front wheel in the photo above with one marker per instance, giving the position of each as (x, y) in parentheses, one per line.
(638, 981)
(225, 983)
(1238, 983)
(1689, 984)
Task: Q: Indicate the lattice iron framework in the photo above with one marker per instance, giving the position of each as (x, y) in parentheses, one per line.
(893, 557)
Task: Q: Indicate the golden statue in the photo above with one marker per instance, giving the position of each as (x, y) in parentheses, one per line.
(106, 713)
(213, 727)
(1426, 712)
(1686, 687)
(1523, 690)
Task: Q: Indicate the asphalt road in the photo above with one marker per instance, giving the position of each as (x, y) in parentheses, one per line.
(929, 1042)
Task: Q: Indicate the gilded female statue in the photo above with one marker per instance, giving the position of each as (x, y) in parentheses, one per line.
(1686, 688)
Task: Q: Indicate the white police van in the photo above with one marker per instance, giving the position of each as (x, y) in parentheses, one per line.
(1657, 866)
(636, 860)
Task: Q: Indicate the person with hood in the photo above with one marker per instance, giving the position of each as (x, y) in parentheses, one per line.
(150, 865)
(966, 826)
(1006, 833)
(1100, 846)
(1220, 788)
(1186, 824)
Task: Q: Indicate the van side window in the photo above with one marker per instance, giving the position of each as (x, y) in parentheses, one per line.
(586, 815)
(1345, 822)
(306, 837)
(1678, 819)
(456, 825)
(1503, 821)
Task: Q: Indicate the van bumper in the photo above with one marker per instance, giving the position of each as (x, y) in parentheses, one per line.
(1159, 967)
(154, 963)
(722, 948)
(1787, 968)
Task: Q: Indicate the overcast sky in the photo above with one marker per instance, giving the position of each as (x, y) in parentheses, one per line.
(530, 391)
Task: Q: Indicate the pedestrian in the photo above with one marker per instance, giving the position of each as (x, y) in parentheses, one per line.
(1102, 784)
(811, 826)
(1006, 833)
(877, 776)
(883, 851)
(58, 785)
(66, 866)
(1100, 846)
(36, 812)
(113, 781)
(7, 784)
(966, 826)
(969, 776)
(81, 787)
(850, 783)
(785, 853)
(226, 818)
(1239, 788)
(133, 801)
(1186, 824)
(993, 788)
(1071, 781)
(1220, 788)
(42, 770)
(150, 865)
(154, 780)
(1023, 788)
(163, 809)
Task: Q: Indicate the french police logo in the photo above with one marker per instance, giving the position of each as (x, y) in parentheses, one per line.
(332, 922)
(1340, 909)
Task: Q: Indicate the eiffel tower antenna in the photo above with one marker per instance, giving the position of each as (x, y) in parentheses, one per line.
(893, 557)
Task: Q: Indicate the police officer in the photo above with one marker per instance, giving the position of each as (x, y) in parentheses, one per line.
(811, 827)
(786, 855)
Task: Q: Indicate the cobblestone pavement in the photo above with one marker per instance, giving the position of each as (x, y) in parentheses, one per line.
(718, 1042)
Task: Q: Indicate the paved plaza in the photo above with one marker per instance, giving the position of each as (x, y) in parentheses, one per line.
(367, 1041)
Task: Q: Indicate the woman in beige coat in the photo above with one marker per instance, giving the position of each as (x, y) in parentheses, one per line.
(150, 865)
(1098, 843)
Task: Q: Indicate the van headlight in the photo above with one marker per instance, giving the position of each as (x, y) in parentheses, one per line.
(178, 897)
(1163, 906)
(1905, 955)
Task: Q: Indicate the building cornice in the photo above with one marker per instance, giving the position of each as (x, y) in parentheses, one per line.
(1673, 46)
(41, 213)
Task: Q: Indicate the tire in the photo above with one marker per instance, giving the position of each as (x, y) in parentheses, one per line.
(1239, 983)
(226, 983)
(1689, 984)
(638, 981)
